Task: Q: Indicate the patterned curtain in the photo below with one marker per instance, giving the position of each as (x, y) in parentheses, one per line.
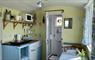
(87, 35)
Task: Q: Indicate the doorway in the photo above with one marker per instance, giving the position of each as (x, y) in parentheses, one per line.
(53, 33)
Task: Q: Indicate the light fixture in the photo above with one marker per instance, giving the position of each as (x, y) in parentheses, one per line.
(39, 3)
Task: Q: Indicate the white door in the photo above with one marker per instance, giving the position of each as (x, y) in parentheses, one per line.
(56, 34)
(48, 35)
(53, 34)
(0, 38)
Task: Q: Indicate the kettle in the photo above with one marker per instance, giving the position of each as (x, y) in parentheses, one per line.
(18, 37)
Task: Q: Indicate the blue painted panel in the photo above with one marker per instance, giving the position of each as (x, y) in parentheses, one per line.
(10, 53)
(39, 53)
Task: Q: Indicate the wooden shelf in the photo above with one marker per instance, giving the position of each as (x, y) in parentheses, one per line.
(15, 22)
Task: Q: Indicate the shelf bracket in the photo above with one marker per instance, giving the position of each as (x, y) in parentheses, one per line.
(5, 24)
(23, 25)
(14, 25)
(30, 25)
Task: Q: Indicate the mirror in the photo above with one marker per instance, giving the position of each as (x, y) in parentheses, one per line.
(59, 21)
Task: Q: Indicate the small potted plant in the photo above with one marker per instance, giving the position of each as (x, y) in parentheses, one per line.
(82, 54)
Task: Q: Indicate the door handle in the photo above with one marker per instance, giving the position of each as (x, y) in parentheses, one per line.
(33, 50)
(59, 41)
(47, 41)
(54, 35)
(61, 38)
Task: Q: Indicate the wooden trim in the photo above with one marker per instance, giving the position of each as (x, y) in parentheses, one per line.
(55, 10)
(5, 23)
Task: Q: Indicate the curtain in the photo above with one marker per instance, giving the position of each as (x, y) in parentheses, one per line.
(87, 33)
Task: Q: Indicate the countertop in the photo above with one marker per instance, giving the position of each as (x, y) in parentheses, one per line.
(23, 42)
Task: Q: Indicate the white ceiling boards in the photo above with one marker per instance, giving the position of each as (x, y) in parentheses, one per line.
(28, 5)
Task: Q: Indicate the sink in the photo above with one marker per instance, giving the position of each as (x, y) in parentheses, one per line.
(20, 43)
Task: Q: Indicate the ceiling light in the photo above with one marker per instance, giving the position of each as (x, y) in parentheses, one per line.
(39, 3)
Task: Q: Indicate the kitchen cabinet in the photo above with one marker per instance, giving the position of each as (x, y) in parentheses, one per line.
(33, 54)
(35, 51)
(39, 53)
(28, 51)
(15, 52)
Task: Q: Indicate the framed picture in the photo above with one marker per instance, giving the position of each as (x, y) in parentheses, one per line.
(67, 23)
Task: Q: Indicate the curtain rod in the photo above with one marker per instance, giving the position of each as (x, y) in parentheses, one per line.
(55, 10)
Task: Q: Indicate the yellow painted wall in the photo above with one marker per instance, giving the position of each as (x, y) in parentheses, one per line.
(39, 30)
(9, 32)
(69, 35)
(75, 34)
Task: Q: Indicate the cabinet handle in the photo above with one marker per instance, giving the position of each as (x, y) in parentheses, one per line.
(33, 50)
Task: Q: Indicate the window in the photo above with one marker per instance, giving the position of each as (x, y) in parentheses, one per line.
(68, 23)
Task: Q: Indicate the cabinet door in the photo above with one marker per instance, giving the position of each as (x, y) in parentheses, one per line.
(39, 53)
(33, 54)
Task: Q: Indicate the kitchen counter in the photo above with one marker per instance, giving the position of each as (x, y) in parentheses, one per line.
(23, 42)
(24, 50)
